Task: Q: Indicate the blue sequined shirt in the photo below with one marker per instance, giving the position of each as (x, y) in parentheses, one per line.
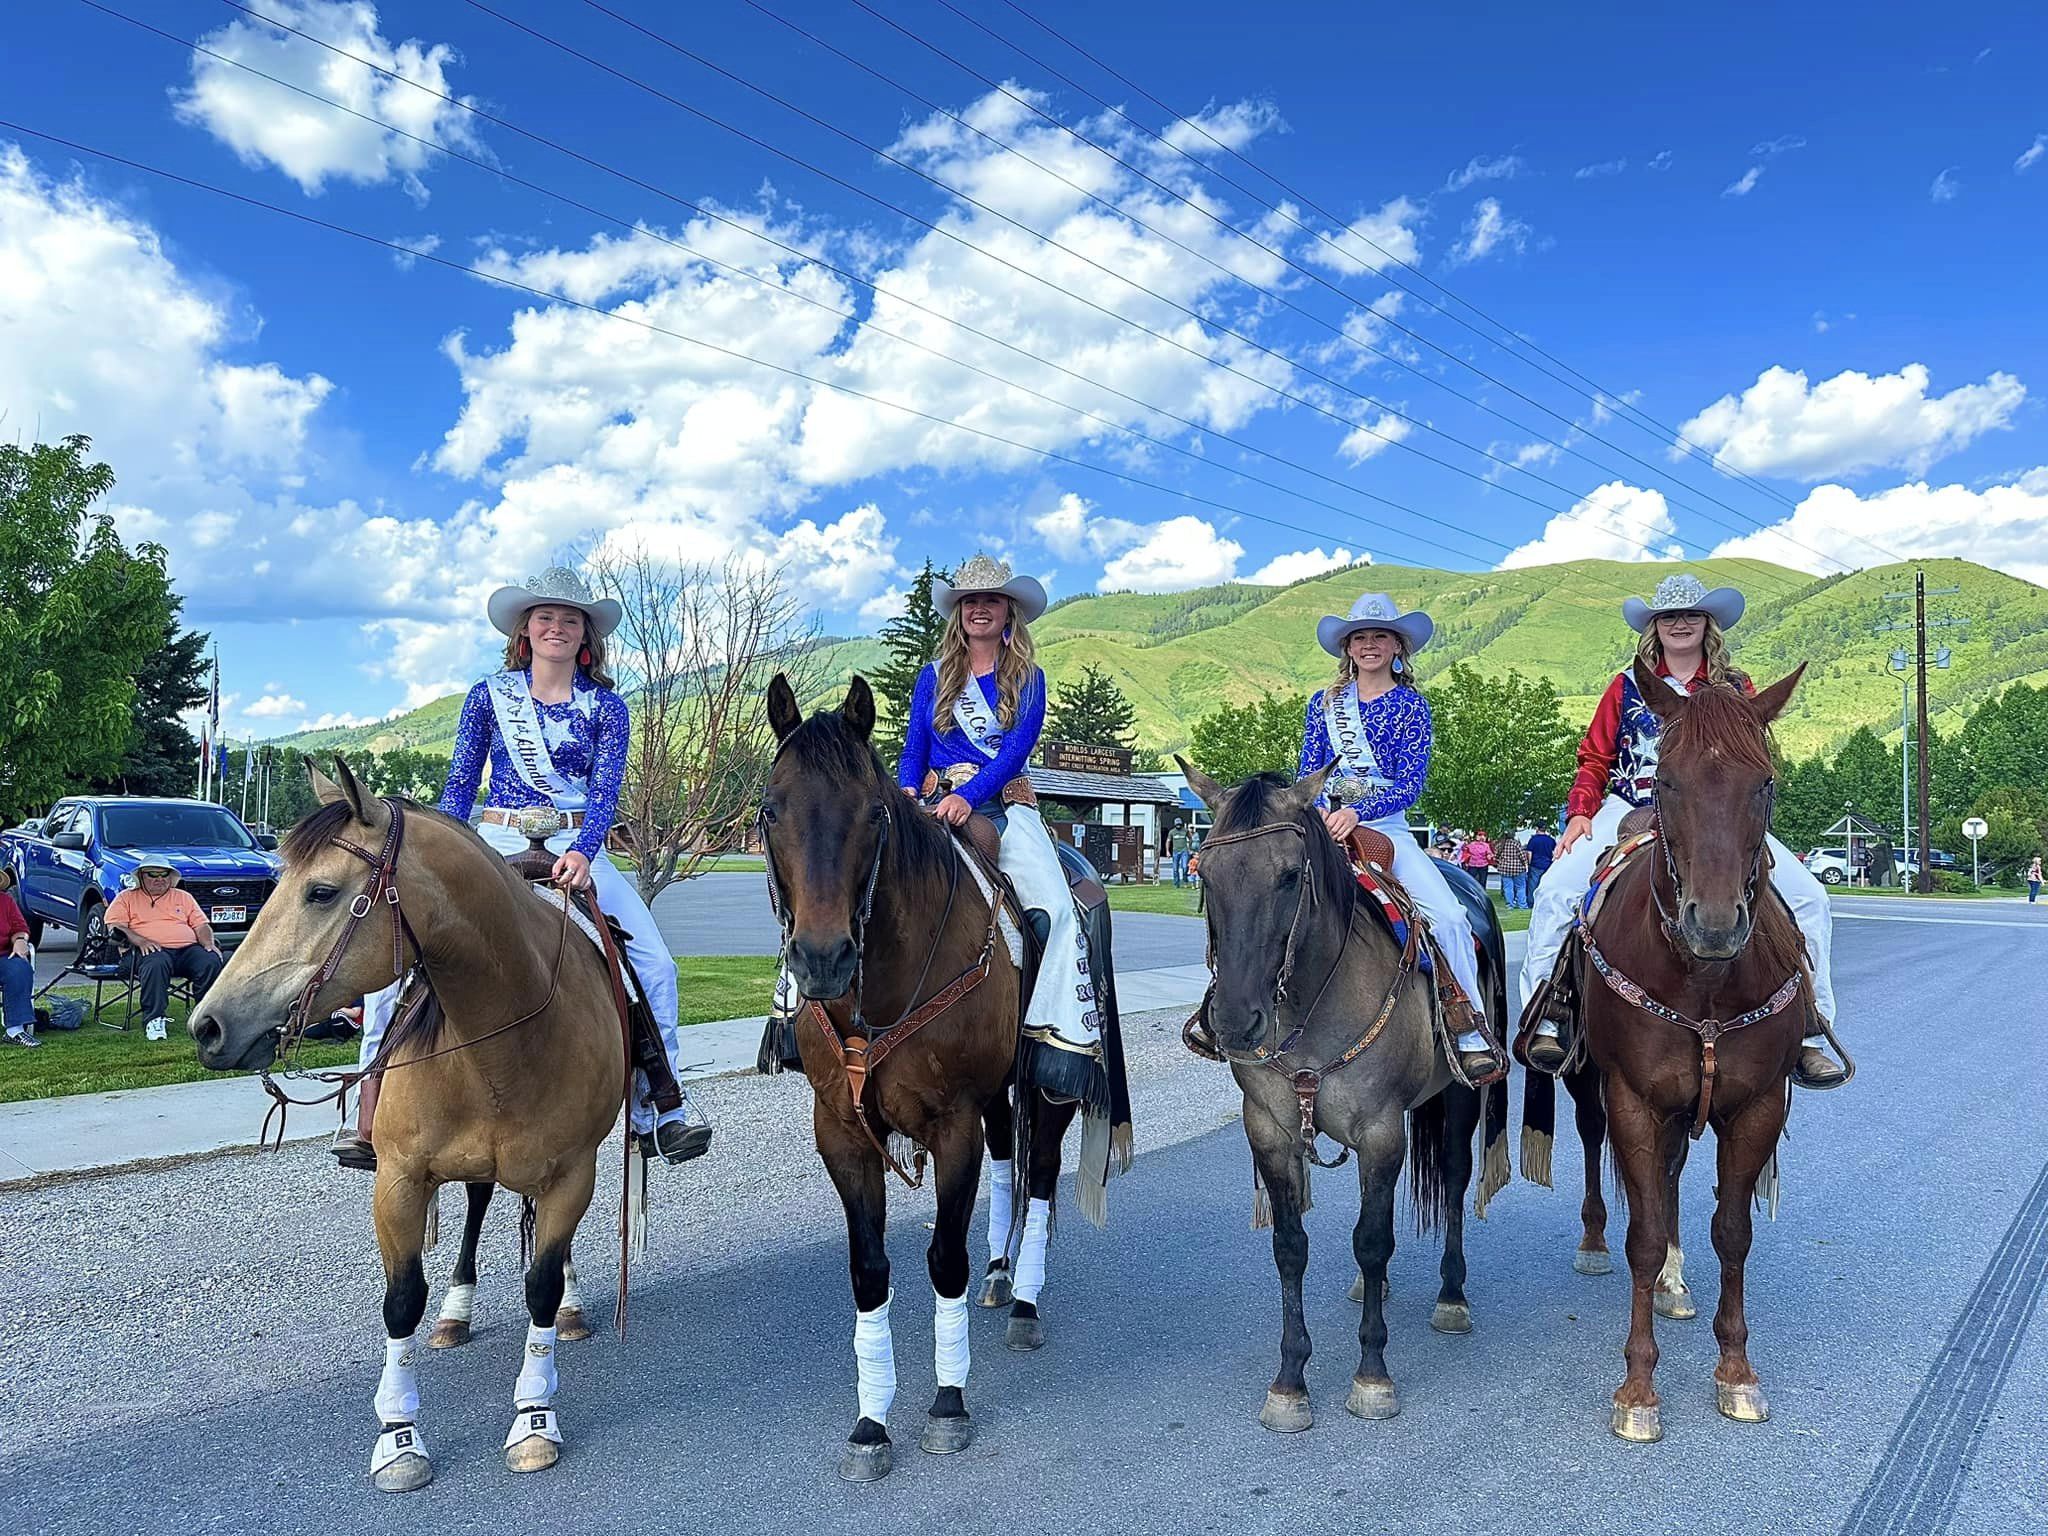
(1397, 723)
(926, 744)
(586, 739)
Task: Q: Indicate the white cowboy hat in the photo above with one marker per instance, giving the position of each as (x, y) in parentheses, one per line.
(150, 861)
(1375, 610)
(1684, 593)
(557, 584)
(985, 573)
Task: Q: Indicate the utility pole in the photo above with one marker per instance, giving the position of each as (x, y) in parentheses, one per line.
(1913, 758)
(1924, 881)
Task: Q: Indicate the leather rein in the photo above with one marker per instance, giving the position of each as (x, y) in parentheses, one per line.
(1307, 1081)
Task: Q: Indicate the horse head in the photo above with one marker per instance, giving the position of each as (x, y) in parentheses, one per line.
(1268, 867)
(1715, 786)
(826, 815)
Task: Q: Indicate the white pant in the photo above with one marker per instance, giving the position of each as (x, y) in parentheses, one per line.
(1063, 1002)
(1558, 898)
(1448, 920)
(618, 897)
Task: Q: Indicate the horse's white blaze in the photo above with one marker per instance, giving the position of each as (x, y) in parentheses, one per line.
(1002, 1190)
(950, 1354)
(537, 1381)
(874, 1358)
(398, 1389)
(1031, 1256)
(459, 1305)
(1671, 1278)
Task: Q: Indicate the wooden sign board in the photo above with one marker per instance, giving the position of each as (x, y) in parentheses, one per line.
(1116, 852)
(1072, 757)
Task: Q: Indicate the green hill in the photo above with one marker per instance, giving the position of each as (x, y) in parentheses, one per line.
(1179, 655)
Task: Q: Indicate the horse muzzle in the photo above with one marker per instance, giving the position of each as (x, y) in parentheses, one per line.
(230, 1045)
(1714, 932)
(823, 969)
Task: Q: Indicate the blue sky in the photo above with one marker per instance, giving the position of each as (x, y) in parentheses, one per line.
(1812, 242)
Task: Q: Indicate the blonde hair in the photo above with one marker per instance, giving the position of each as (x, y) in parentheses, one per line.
(1013, 667)
(1650, 651)
(519, 650)
(1347, 669)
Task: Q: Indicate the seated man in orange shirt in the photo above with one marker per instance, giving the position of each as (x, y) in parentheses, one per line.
(167, 936)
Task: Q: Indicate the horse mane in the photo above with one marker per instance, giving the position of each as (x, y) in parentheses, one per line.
(827, 747)
(315, 831)
(1254, 803)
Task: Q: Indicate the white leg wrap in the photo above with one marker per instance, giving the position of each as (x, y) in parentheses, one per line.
(459, 1305)
(874, 1356)
(1031, 1256)
(398, 1389)
(572, 1299)
(949, 1340)
(536, 1385)
(1002, 1191)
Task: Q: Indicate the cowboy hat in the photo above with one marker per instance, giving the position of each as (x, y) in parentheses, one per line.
(557, 585)
(1684, 593)
(1375, 610)
(985, 573)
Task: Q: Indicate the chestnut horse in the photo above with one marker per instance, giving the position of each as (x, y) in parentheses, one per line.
(1694, 998)
(884, 923)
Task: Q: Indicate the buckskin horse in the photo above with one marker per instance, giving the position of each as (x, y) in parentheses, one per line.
(909, 1032)
(1318, 1010)
(511, 1073)
(1693, 998)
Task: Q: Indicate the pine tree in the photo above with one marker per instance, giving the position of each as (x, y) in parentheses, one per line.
(163, 756)
(1091, 712)
(912, 639)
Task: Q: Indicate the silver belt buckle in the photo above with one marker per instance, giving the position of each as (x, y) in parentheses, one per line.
(538, 823)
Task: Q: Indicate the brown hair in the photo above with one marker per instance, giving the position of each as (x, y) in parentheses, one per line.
(1650, 650)
(519, 650)
(1013, 667)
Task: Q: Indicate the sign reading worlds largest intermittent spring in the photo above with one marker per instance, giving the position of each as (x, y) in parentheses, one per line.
(1073, 757)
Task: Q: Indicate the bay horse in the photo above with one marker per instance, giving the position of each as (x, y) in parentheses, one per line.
(898, 954)
(512, 1075)
(1694, 998)
(1310, 982)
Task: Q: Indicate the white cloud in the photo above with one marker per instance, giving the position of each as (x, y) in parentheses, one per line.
(1179, 553)
(1488, 230)
(1945, 187)
(264, 411)
(1770, 149)
(1479, 168)
(1284, 570)
(313, 144)
(1073, 529)
(416, 246)
(1661, 161)
(340, 721)
(1618, 521)
(1372, 242)
(1602, 168)
(1744, 184)
(1232, 126)
(1782, 426)
(2032, 153)
(2003, 526)
(1374, 436)
(272, 705)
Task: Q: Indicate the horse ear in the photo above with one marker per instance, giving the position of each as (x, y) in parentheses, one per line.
(325, 790)
(1206, 789)
(1664, 701)
(361, 802)
(859, 708)
(784, 713)
(1772, 701)
(1305, 791)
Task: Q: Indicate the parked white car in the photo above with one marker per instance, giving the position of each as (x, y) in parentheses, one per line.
(1830, 866)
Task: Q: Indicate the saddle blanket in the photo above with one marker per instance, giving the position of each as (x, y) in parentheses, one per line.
(553, 897)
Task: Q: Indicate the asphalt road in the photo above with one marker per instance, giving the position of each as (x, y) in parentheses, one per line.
(196, 1347)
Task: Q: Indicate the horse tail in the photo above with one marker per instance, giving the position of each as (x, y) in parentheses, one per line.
(1025, 1107)
(1428, 1126)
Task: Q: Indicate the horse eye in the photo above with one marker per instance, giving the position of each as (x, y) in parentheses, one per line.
(768, 814)
(321, 895)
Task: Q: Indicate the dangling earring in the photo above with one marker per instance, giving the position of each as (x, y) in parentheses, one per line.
(583, 657)
(524, 651)
(1398, 668)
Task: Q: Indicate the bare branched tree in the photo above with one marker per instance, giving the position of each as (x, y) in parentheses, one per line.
(694, 653)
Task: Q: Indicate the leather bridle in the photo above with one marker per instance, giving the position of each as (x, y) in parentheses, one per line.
(1749, 886)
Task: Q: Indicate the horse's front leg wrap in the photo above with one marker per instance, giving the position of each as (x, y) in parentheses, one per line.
(874, 1358)
(398, 1389)
(950, 1352)
(537, 1381)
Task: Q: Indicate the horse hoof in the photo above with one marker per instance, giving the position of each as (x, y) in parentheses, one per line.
(942, 1437)
(996, 1290)
(1744, 1404)
(408, 1474)
(1676, 1305)
(1357, 1291)
(1593, 1261)
(1287, 1414)
(867, 1463)
(571, 1326)
(1451, 1317)
(1641, 1425)
(1372, 1399)
(536, 1453)
(1026, 1331)
(449, 1333)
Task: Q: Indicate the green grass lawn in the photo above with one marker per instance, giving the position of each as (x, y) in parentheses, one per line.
(1986, 893)
(96, 1059)
(1179, 901)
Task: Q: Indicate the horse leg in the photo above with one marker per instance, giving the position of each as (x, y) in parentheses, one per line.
(458, 1307)
(998, 1121)
(535, 1439)
(1591, 1117)
(857, 1174)
(1027, 1330)
(1673, 1298)
(957, 1159)
(1277, 1151)
(571, 1325)
(400, 1464)
(1380, 1150)
(1639, 1150)
(1460, 1123)
(1745, 1145)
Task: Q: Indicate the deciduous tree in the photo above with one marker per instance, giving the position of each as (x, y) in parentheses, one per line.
(1239, 740)
(1504, 756)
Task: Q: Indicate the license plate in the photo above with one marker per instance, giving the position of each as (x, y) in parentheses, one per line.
(230, 914)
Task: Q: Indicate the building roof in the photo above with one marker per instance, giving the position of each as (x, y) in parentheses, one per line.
(1100, 788)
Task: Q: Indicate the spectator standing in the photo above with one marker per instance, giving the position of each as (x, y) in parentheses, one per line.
(2034, 880)
(1177, 845)
(1542, 849)
(1512, 860)
(18, 968)
(167, 935)
(1476, 857)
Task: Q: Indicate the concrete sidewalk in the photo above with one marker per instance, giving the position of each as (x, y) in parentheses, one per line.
(95, 1132)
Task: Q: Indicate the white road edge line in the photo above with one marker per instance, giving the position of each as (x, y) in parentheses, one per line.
(1959, 922)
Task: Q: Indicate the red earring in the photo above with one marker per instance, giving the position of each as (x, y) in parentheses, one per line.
(524, 651)
(583, 656)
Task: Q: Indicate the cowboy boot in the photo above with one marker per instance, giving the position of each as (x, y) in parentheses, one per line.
(1480, 1064)
(351, 1146)
(1816, 1069)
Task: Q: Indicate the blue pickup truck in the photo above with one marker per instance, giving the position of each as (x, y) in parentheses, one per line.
(72, 862)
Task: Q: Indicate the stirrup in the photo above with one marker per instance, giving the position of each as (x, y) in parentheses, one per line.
(1818, 1082)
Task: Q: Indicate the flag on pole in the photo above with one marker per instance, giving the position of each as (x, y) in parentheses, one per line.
(249, 761)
